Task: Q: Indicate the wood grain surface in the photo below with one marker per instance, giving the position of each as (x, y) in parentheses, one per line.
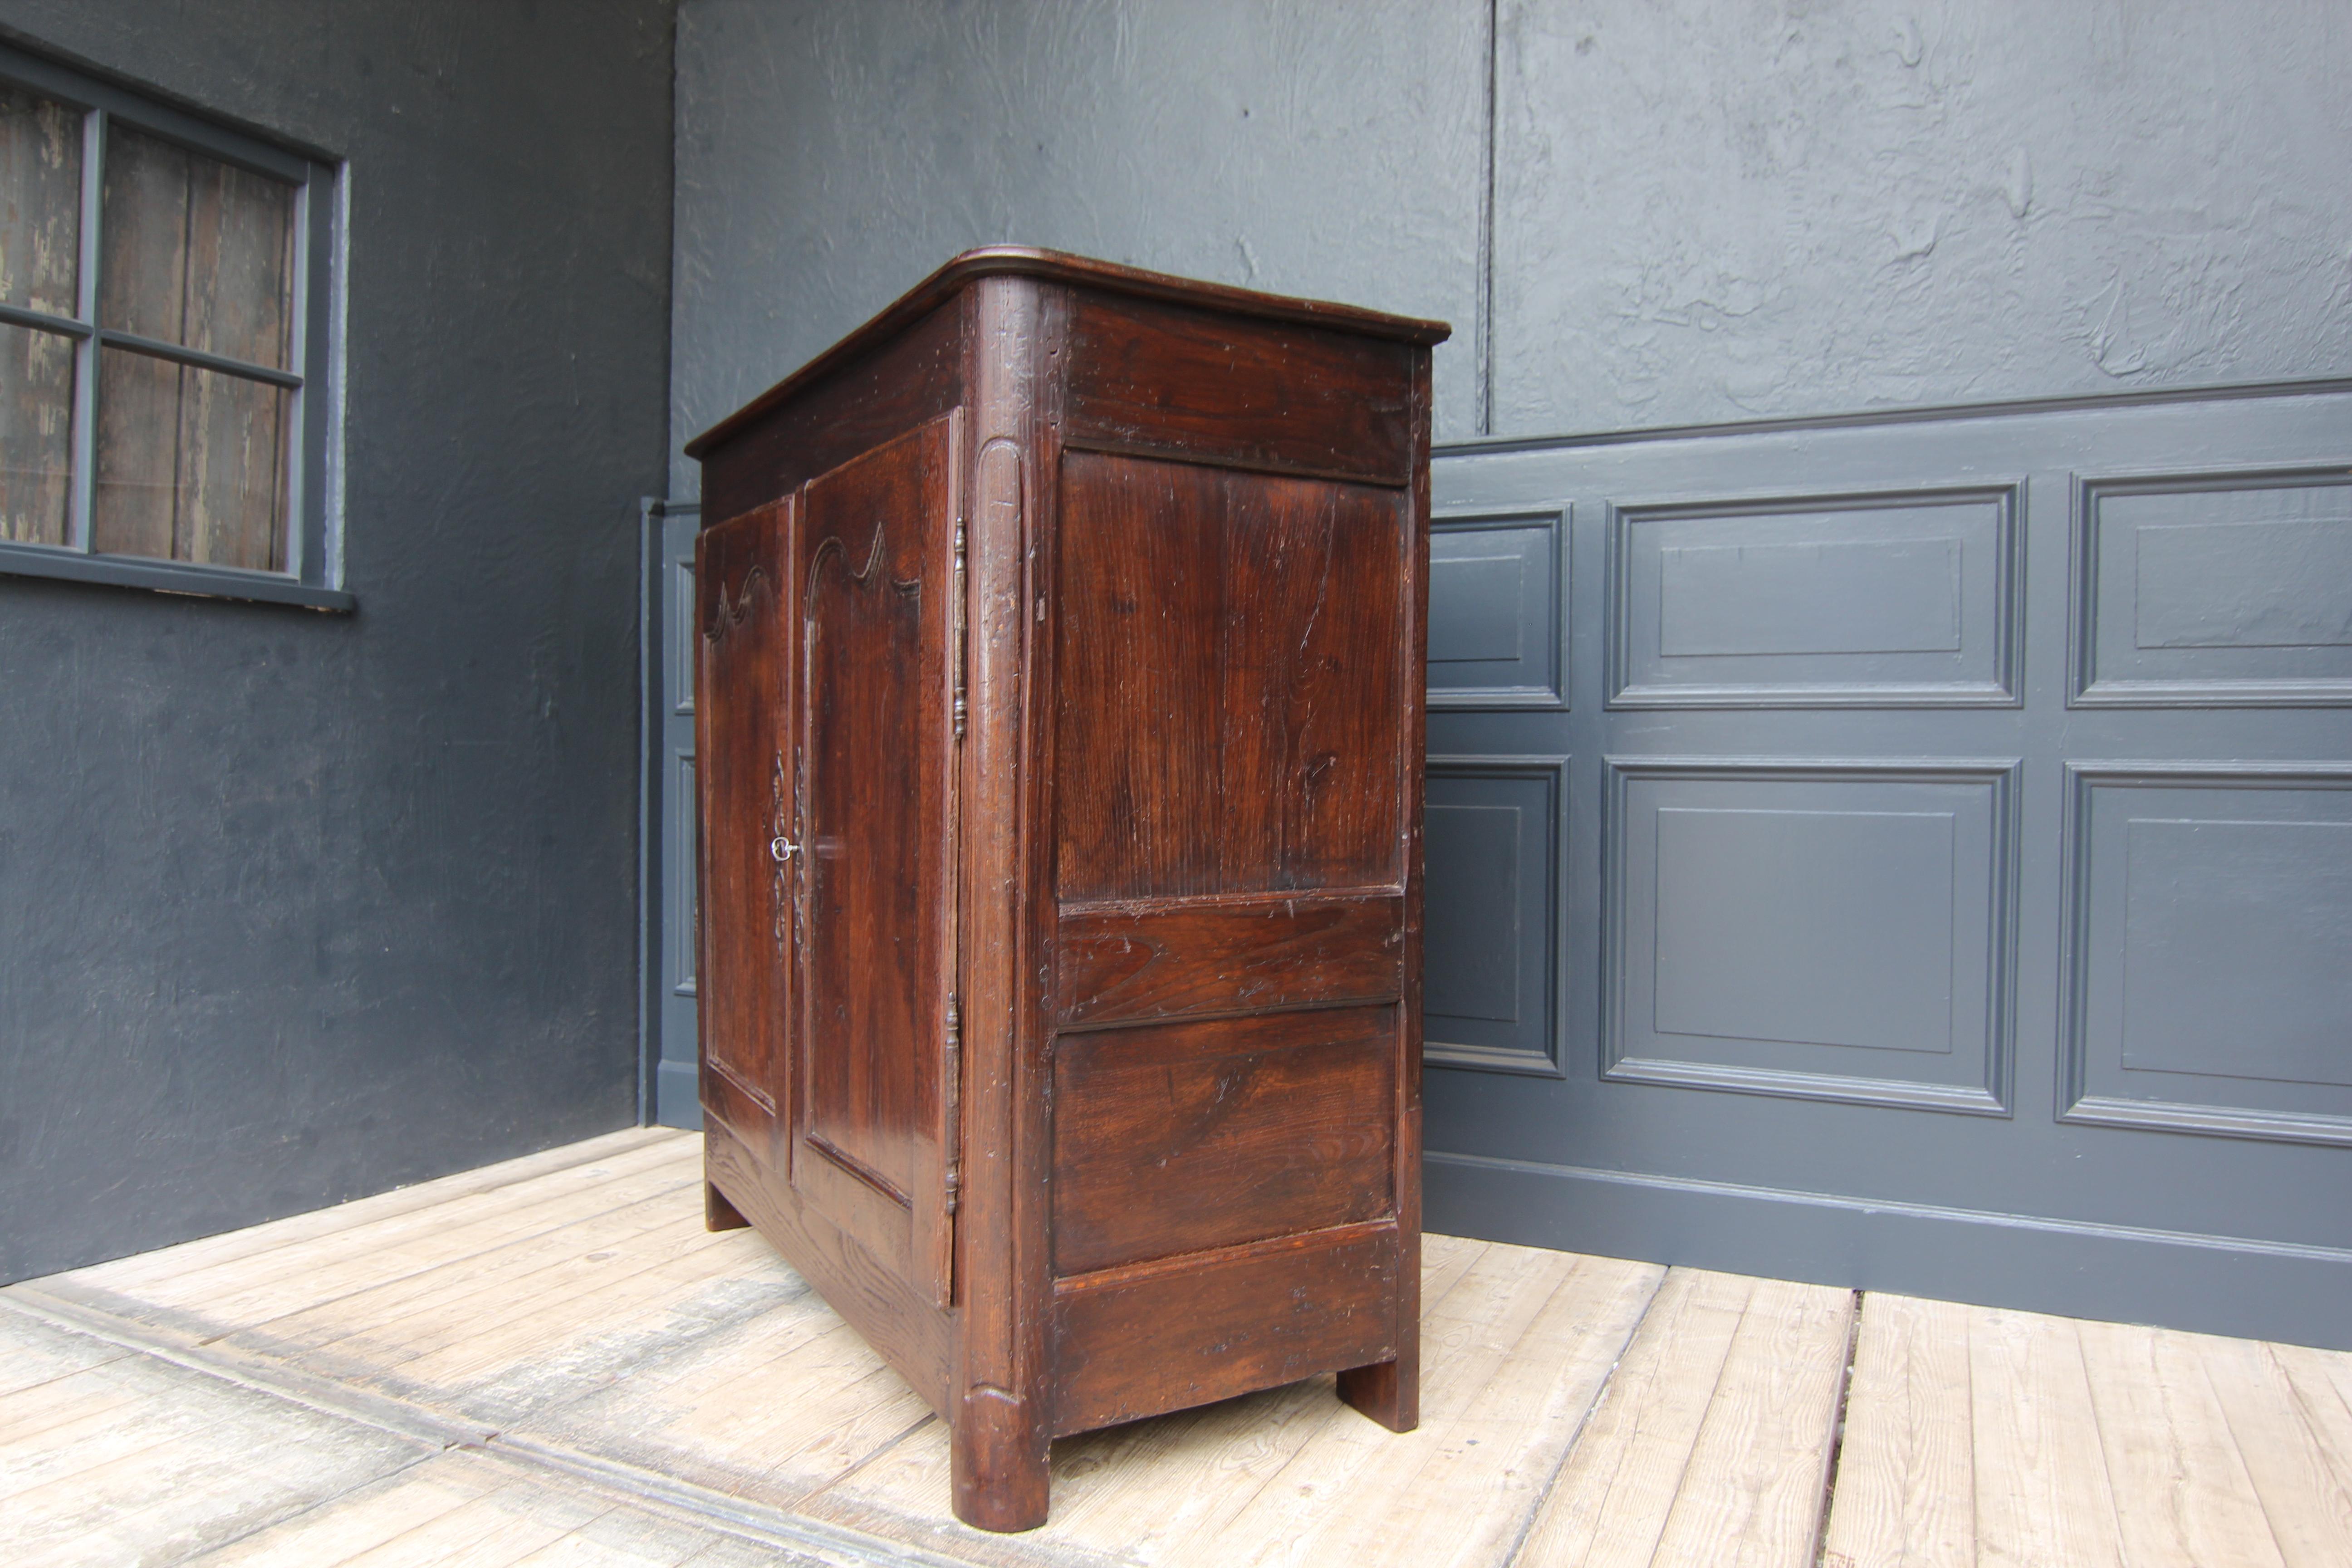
(1126, 962)
(1185, 1137)
(1232, 694)
(1286, 398)
(40, 235)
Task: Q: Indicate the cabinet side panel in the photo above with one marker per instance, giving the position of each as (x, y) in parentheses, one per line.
(1142, 566)
(1183, 1137)
(1229, 716)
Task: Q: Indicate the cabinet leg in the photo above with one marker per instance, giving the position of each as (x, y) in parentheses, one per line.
(997, 1459)
(717, 1214)
(1389, 1392)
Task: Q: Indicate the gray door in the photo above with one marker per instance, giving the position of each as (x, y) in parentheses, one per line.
(1912, 853)
(671, 892)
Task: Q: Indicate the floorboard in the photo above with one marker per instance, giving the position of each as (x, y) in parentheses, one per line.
(1907, 1489)
(2043, 1495)
(550, 1362)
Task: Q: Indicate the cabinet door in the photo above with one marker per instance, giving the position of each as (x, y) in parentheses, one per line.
(873, 1049)
(743, 610)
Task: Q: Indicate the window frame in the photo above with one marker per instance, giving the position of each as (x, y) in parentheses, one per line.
(313, 574)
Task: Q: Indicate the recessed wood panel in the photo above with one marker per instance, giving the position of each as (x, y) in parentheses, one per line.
(2215, 590)
(1893, 599)
(2208, 989)
(1231, 707)
(744, 635)
(1182, 1137)
(1831, 931)
(873, 772)
(1167, 958)
(1496, 598)
(1282, 396)
(1130, 1342)
(1490, 935)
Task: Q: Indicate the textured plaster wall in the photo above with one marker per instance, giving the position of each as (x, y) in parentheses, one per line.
(830, 156)
(1699, 211)
(1710, 212)
(296, 907)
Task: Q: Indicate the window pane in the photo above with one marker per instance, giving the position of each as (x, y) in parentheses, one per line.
(41, 202)
(191, 464)
(197, 252)
(37, 381)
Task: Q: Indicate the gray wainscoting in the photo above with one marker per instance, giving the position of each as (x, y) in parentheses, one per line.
(1911, 852)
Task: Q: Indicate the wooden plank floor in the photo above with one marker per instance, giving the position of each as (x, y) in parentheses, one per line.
(550, 1361)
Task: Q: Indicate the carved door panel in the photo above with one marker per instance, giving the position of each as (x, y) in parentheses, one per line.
(875, 1031)
(744, 599)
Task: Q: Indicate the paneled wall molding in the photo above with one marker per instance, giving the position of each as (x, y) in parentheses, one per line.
(2223, 587)
(1494, 948)
(1901, 598)
(670, 892)
(1498, 597)
(2217, 901)
(1703, 987)
(1858, 948)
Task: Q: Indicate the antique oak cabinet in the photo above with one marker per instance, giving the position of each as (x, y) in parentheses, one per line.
(1059, 707)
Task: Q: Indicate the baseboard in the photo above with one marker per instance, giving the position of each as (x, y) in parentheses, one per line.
(2208, 1284)
(677, 1097)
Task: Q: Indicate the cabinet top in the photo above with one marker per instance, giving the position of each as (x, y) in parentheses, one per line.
(1059, 267)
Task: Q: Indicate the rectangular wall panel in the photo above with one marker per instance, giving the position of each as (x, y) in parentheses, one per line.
(2209, 983)
(1832, 969)
(1831, 929)
(1496, 626)
(1491, 969)
(2214, 589)
(682, 881)
(679, 576)
(1893, 599)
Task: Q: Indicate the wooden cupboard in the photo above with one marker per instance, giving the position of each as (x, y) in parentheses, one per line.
(1059, 712)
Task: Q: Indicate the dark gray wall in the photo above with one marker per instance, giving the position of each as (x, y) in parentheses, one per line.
(1697, 212)
(296, 907)
(829, 155)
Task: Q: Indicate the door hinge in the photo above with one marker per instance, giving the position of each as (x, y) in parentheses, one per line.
(952, 1093)
(957, 630)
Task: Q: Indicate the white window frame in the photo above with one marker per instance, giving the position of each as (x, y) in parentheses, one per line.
(313, 574)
